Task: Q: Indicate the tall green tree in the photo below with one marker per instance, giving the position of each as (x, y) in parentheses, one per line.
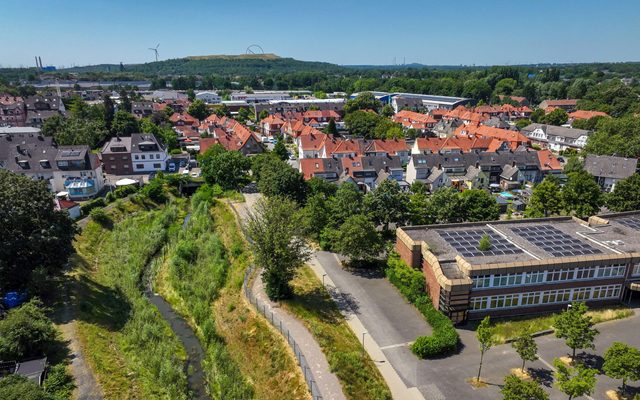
(229, 169)
(198, 109)
(581, 194)
(109, 110)
(625, 195)
(517, 389)
(546, 199)
(314, 216)
(125, 101)
(556, 117)
(278, 179)
(387, 111)
(26, 332)
(124, 124)
(277, 243)
(576, 328)
(444, 206)
(526, 348)
(35, 239)
(574, 382)
(484, 334)
(387, 204)
(358, 239)
(364, 101)
(573, 164)
(281, 150)
(331, 128)
(622, 361)
(347, 201)
(478, 205)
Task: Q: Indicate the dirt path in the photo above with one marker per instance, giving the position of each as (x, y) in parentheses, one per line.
(87, 387)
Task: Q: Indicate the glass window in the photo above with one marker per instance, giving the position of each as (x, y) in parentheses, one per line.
(157, 166)
(140, 166)
(530, 298)
(534, 277)
(581, 294)
(478, 303)
(143, 156)
(585, 272)
(482, 281)
(636, 270)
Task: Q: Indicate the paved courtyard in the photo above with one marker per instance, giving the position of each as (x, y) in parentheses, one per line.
(394, 323)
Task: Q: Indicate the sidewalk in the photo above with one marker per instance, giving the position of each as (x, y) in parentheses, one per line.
(399, 390)
(326, 381)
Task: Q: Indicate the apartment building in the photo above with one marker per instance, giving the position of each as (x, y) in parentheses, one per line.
(135, 154)
(531, 266)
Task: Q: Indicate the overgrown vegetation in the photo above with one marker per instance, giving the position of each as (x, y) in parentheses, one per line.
(410, 283)
(312, 305)
(131, 349)
(202, 279)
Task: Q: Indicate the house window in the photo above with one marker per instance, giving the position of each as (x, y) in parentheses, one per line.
(611, 271)
(581, 294)
(136, 156)
(482, 281)
(156, 166)
(126, 166)
(113, 167)
(559, 275)
(140, 166)
(143, 156)
(478, 303)
(530, 298)
(534, 277)
(585, 272)
(157, 156)
(636, 270)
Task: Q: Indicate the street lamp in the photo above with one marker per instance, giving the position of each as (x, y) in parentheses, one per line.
(363, 349)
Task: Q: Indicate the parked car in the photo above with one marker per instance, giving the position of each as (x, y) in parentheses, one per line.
(172, 167)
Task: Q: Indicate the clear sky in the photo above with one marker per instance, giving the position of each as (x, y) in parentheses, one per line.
(81, 32)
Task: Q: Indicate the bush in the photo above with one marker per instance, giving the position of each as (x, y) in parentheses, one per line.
(26, 332)
(16, 387)
(124, 191)
(90, 205)
(100, 216)
(411, 285)
(58, 382)
(155, 191)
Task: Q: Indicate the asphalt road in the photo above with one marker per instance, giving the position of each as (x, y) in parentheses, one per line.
(393, 323)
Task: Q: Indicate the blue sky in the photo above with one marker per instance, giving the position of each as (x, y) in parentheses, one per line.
(81, 32)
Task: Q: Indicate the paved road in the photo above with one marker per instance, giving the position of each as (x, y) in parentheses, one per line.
(392, 323)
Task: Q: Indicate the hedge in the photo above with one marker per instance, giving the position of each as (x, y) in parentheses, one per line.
(90, 205)
(411, 284)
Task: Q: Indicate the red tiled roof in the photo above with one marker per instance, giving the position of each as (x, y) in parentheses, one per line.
(67, 204)
(548, 161)
(584, 114)
(514, 138)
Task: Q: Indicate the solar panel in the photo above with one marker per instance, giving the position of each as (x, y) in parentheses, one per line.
(630, 222)
(467, 242)
(554, 241)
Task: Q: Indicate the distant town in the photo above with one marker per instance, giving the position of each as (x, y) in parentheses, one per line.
(325, 233)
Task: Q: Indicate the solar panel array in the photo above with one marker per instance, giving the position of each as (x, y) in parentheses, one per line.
(467, 243)
(554, 241)
(631, 222)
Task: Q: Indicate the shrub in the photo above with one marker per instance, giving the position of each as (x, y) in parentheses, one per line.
(58, 382)
(16, 387)
(100, 216)
(485, 243)
(90, 205)
(124, 191)
(26, 332)
(155, 191)
(411, 285)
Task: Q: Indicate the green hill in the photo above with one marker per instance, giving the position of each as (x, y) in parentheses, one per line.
(227, 65)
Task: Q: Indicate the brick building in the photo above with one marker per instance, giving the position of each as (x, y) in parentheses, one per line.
(532, 266)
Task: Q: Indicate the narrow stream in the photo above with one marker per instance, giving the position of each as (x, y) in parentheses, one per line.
(180, 327)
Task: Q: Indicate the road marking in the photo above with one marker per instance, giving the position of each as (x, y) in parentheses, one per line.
(393, 346)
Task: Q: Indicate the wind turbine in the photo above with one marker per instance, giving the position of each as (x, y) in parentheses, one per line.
(155, 50)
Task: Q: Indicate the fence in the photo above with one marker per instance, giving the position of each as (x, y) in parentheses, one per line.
(262, 309)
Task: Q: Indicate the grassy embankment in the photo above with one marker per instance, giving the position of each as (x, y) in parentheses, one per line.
(356, 371)
(131, 349)
(202, 279)
(505, 329)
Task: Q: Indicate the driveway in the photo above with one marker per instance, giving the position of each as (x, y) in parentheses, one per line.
(393, 323)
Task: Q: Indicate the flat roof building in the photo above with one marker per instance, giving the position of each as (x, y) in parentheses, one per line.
(531, 266)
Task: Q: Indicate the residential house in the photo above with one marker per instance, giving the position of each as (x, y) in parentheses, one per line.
(457, 144)
(234, 138)
(72, 169)
(556, 138)
(12, 110)
(136, 154)
(491, 163)
(142, 109)
(414, 120)
(568, 105)
(585, 114)
(514, 139)
(42, 107)
(609, 170)
(388, 147)
(271, 125)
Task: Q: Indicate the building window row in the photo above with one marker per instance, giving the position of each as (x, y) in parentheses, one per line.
(636, 270)
(544, 297)
(558, 275)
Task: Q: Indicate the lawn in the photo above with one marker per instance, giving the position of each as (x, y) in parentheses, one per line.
(357, 373)
(505, 329)
(202, 280)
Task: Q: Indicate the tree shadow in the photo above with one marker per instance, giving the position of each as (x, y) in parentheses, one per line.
(590, 360)
(543, 375)
(102, 305)
(320, 303)
(345, 301)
